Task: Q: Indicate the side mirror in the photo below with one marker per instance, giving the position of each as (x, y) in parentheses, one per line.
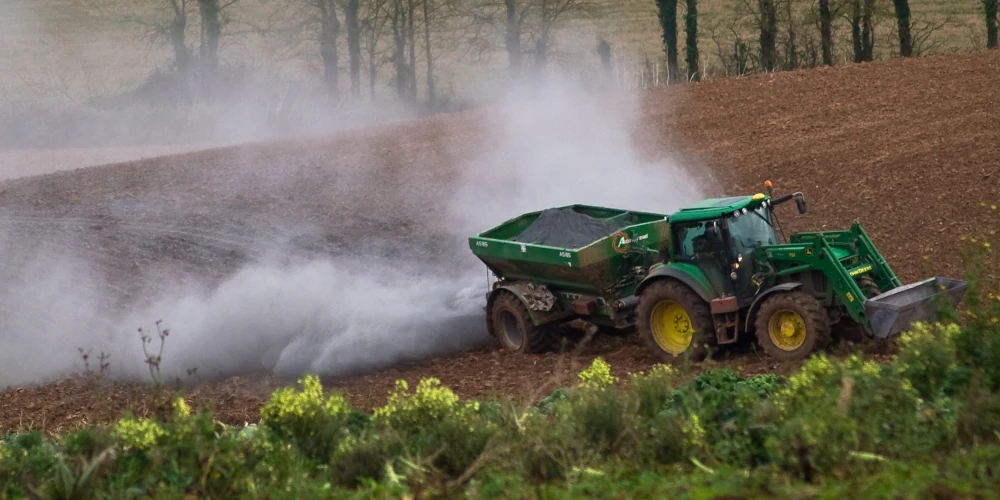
(800, 202)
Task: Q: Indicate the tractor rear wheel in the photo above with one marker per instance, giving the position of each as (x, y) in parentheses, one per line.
(791, 325)
(512, 325)
(674, 322)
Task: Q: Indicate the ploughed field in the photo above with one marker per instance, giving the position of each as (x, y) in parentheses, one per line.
(909, 147)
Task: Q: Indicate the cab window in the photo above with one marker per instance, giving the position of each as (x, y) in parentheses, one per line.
(685, 236)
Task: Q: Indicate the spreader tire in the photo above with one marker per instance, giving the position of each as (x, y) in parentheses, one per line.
(511, 322)
(674, 322)
(791, 325)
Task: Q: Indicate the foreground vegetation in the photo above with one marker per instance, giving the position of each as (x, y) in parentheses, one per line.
(926, 423)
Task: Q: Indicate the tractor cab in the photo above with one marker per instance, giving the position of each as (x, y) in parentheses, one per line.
(720, 236)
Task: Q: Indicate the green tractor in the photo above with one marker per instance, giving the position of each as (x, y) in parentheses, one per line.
(706, 275)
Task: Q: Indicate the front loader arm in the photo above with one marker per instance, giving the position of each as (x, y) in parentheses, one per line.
(808, 253)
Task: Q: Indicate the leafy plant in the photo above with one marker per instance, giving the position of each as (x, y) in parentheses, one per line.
(67, 484)
(314, 423)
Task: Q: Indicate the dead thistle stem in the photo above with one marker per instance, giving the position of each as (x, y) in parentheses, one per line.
(103, 364)
(154, 361)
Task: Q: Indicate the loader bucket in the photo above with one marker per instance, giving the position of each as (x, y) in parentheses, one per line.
(894, 311)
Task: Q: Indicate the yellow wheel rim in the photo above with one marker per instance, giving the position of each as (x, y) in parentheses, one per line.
(671, 326)
(787, 330)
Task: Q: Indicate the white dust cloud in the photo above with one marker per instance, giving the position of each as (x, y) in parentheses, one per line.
(549, 144)
(340, 316)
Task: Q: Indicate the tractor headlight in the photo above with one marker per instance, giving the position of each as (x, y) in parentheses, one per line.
(736, 213)
(744, 210)
(732, 275)
(739, 258)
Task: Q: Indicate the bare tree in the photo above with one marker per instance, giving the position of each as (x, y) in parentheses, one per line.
(412, 65)
(856, 42)
(868, 31)
(550, 14)
(791, 47)
(517, 22)
(691, 43)
(432, 12)
(398, 19)
(173, 31)
(862, 29)
(329, 33)
(826, 31)
(514, 17)
(178, 30)
(351, 18)
(990, 11)
(667, 12)
(903, 19)
(768, 34)
(211, 33)
(374, 15)
(211, 12)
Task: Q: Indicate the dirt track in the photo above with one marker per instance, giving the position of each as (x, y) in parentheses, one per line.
(909, 147)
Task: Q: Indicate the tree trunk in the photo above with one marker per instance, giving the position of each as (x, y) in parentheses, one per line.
(792, 50)
(329, 32)
(178, 28)
(372, 74)
(427, 54)
(691, 44)
(354, 45)
(512, 38)
(868, 31)
(667, 12)
(398, 19)
(412, 65)
(541, 53)
(903, 17)
(990, 9)
(826, 31)
(211, 32)
(859, 50)
(768, 34)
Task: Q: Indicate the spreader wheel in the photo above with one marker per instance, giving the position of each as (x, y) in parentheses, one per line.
(791, 325)
(513, 327)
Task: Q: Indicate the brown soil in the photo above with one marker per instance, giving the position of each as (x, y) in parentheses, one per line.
(909, 147)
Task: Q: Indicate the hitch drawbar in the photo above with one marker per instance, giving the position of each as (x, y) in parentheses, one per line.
(894, 311)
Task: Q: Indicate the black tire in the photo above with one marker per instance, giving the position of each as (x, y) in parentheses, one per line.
(848, 329)
(867, 285)
(512, 325)
(698, 321)
(798, 310)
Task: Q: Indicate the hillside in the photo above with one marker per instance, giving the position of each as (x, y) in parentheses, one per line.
(908, 147)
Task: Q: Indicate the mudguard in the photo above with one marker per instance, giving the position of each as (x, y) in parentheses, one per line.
(752, 312)
(540, 303)
(689, 274)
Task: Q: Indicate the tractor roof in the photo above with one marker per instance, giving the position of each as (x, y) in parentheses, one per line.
(713, 208)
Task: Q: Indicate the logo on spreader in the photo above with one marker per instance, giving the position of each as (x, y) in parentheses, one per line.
(620, 241)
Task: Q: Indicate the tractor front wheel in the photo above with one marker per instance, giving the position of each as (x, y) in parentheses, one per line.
(791, 325)
(512, 325)
(674, 322)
